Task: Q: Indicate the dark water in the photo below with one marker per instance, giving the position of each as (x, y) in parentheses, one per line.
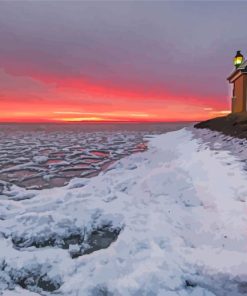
(37, 156)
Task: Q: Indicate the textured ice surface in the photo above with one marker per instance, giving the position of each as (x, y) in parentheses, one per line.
(169, 222)
(50, 155)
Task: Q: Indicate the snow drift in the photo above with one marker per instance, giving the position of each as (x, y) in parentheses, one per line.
(168, 221)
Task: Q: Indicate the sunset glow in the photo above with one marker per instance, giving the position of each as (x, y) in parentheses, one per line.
(116, 63)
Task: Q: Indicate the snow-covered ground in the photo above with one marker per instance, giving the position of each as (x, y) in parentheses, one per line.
(168, 221)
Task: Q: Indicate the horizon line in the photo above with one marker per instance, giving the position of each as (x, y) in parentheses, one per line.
(96, 121)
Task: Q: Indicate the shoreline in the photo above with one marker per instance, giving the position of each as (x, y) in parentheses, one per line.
(58, 154)
(234, 125)
(161, 208)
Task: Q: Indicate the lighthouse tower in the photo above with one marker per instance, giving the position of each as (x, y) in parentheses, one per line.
(239, 80)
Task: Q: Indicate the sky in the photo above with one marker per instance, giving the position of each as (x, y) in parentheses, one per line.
(118, 60)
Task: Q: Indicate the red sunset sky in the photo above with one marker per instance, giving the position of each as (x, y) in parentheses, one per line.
(141, 61)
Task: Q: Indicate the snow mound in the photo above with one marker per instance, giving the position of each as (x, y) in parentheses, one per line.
(170, 221)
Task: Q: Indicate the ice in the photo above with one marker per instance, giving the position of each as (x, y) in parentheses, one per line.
(40, 159)
(168, 221)
(50, 157)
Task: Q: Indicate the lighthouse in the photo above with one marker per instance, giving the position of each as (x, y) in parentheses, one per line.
(238, 79)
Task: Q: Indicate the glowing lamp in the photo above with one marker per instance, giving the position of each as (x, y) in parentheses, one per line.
(238, 59)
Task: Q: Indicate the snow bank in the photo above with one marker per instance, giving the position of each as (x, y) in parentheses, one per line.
(169, 221)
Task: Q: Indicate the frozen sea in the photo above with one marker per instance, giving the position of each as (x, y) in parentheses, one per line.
(38, 156)
(167, 221)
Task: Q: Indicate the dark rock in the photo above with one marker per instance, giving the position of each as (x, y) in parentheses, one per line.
(99, 238)
(233, 125)
(35, 280)
(189, 283)
(46, 284)
(76, 237)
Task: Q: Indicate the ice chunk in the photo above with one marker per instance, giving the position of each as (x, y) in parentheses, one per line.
(40, 159)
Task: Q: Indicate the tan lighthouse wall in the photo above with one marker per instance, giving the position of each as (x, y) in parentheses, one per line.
(240, 94)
